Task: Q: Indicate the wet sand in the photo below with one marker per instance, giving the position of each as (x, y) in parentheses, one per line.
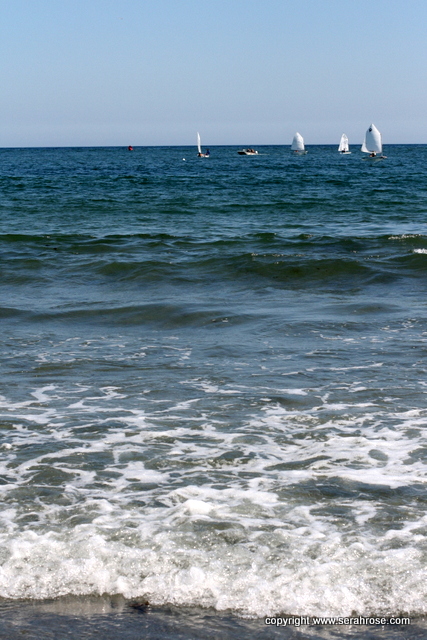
(114, 618)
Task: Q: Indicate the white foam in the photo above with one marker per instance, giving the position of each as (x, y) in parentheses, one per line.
(294, 392)
(281, 511)
(196, 507)
(324, 573)
(41, 395)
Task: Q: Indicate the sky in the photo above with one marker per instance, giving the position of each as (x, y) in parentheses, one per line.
(242, 72)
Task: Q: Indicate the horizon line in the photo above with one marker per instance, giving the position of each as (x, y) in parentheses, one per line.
(168, 146)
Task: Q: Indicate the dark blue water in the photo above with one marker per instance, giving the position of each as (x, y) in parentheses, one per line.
(213, 382)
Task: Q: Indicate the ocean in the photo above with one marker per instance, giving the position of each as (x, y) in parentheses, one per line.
(213, 392)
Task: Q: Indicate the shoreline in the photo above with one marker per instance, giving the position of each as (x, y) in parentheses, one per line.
(113, 617)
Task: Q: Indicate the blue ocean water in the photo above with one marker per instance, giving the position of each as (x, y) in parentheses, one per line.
(213, 382)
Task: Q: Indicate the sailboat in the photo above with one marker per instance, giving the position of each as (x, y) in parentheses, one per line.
(373, 144)
(199, 149)
(298, 145)
(343, 145)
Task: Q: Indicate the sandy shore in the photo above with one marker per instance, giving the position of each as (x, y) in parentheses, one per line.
(113, 618)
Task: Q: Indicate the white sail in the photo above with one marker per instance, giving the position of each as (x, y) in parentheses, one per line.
(297, 142)
(199, 148)
(343, 146)
(372, 142)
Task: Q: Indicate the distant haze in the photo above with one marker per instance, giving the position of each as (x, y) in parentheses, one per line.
(244, 72)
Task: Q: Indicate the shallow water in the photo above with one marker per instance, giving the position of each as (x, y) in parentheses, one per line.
(89, 618)
(213, 388)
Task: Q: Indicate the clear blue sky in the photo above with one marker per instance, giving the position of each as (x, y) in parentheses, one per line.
(249, 72)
